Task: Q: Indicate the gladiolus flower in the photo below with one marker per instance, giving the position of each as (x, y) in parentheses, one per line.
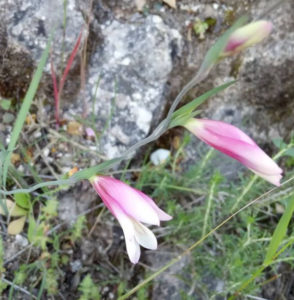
(235, 143)
(247, 36)
(130, 207)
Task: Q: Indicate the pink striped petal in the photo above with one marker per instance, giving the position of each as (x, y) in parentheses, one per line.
(161, 214)
(236, 144)
(132, 203)
(144, 236)
(204, 126)
(250, 156)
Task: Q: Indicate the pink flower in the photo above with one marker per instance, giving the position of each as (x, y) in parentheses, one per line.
(130, 207)
(236, 144)
(247, 36)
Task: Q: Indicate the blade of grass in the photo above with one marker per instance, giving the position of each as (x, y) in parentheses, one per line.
(94, 99)
(64, 30)
(32, 170)
(144, 282)
(56, 94)
(26, 106)
(106, 126)
(260, 270)
(43, 283)
(279, 233)
(196, 102)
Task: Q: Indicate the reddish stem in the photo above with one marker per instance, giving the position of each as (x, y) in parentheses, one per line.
(69, 63)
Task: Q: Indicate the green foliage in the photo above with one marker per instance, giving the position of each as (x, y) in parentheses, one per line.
(121, 288)
(23, 200)
(88, 289)
(142, 294)
(184, 113)
(3, 286)
(200, 28)
(279, 233)
(1, 256)
(77, 229)
(235, 251)
(5, 104)
(36, 233)
(51, 283)
(26, 105)
(19, 277)
(50, 209)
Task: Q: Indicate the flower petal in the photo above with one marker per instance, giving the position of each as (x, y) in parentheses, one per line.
(202, 127)
(127, 225)
(161, 214)
(144, 236)
(132, 203)
(236, 144)
(134, 251)
(274, 179)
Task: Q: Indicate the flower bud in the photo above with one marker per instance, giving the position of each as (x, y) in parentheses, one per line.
(247, 36)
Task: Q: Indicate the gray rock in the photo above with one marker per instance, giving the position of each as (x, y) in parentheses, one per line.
(25, 27)
(31, 22)
(75, 201)
(260, 103)
(133, 60)
(168, 285)
(173, 283)
(133, 64)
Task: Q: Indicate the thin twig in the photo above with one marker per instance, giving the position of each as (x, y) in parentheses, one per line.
(96, 221)
(18, 288)
(46, 162)
(18, 254)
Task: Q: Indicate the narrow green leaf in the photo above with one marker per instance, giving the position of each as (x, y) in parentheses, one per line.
(32, 228)
(279, 233)
(3, 156)
(196, 102)
(183, 119)
(26, 105)
(88, 173)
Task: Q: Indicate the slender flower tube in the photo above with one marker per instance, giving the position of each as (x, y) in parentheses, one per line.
(130, 207)
(235, 143)
(247, 36)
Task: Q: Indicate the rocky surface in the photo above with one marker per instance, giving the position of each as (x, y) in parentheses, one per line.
(145, 59)
(133, 63)
(142, 61)
(260, 102)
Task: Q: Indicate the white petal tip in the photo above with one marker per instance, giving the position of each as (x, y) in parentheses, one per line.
(166, 218)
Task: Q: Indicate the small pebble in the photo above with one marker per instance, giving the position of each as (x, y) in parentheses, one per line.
(21, 240)
(159, 156)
